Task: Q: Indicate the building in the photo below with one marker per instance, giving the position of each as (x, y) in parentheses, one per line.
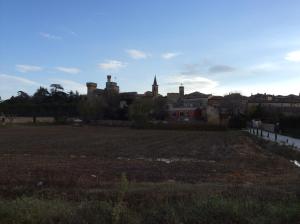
(198, 106)
(288, 105)
(187, 107)
(110, 87)
(154, 88)
(266, 100)
(126, 98)
(113, 88)
(215, 101)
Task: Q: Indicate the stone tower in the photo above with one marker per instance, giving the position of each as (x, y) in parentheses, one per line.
(111, 87)
(155, 88)
(91, 87)
(109, 78)
(181, 91)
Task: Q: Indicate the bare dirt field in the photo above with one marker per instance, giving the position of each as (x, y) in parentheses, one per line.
(87, 157)
(78, 175)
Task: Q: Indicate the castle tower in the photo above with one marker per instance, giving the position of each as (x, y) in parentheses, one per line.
(155, 88)
(91, 87)
(109, 78)
(111, 87)
(181, 91)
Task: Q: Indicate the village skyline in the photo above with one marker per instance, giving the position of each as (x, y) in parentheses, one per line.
(161, 92)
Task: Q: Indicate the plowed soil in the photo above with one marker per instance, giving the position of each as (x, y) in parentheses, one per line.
(92, 156)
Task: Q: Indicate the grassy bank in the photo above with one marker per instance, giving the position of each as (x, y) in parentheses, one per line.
(149, 203)
(195, 210)
(282, 150)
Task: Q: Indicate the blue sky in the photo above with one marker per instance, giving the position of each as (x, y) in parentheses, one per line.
(210, 46)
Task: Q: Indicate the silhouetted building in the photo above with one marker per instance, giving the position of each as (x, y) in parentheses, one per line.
(187, 107)
(111, 87)
(289, 105)
(91, 87)
(181, 91)
(155, 88)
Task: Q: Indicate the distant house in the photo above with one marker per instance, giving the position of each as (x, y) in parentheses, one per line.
(285, 104)
(215, 101)
(213, 110)
(234, 104)
(187, 107)
(198, 106)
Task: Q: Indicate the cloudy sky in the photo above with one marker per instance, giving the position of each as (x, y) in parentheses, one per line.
(210, 46)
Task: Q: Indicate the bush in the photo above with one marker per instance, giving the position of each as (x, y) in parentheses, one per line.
(34, 211)
(92, 212)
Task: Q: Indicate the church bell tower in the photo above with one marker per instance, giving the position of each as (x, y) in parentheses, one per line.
(155, 88)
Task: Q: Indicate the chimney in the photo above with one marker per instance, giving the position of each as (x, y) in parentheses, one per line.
(108, 78)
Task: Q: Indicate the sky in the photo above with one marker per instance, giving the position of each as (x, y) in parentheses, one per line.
(211, 46)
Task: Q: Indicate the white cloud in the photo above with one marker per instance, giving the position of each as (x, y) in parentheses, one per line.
(280, 87)
(112, 65)
(69, 70)
(69, 85)
(50, 36)
(137, 54)
(191, 83)
(10, 85)
(170, 55)
(293, 56)
(17, 79)
(28, 68)
(268, 66)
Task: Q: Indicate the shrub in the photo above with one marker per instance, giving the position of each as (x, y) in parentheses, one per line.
(34, 211)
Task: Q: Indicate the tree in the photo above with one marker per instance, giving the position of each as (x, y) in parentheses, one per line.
(41, 92)
(55, 88)
(234, 103)
(22, 95)
(235, 106)
(159, 108)
(113, 105)
(140, 111)
(58, 96)
(57, 103)
(92, 108)
(41, 95)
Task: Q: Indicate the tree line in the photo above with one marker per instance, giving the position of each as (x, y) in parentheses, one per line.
(61, 105)
(288, 123)
(54, 102)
